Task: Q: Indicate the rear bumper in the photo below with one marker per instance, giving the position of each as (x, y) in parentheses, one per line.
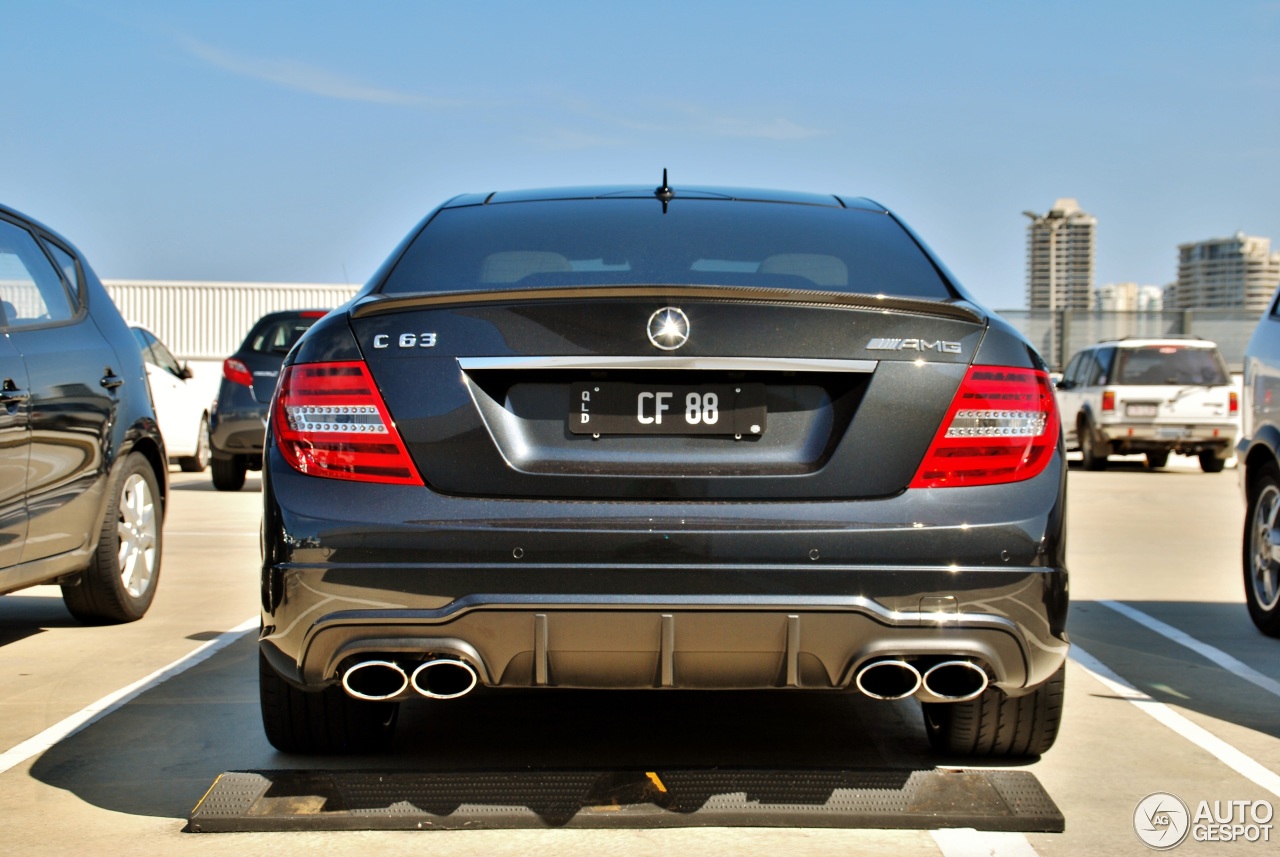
(634, 642)
(1191, 437)
(635, 594)
(237, 422)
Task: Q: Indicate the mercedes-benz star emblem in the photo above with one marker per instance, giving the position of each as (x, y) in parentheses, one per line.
(669, 328)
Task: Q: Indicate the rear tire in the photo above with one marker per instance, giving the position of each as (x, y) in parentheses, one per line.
(321, 723)
(198, 462)
(1092, 457)
(120, 582)
(1261, 572)
(996, 724)
(228, 473)
(1156, 460)
(1210, 462)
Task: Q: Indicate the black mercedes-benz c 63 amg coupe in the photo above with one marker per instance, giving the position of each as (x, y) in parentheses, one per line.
(693, 438)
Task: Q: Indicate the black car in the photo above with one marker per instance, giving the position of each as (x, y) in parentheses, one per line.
(83, 472)
(691, 438)
(239, 416)
(1259, 455)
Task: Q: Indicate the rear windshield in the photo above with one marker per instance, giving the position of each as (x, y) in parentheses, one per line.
(714, 242)
(278, 336)
(1170, 364)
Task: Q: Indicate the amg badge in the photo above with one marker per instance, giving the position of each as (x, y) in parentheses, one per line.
(941, 346)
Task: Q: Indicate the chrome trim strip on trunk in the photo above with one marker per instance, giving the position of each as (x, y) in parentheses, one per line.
(725, 364)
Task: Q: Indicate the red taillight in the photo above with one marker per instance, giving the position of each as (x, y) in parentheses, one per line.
(1002, 426)
(236, 372)
(1233, 402)
(1108, 401)
(329, 420)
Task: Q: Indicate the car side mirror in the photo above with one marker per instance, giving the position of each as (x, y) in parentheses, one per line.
(1064, 384)
(186, 374)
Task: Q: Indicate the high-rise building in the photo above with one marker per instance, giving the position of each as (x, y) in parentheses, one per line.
(1060, 257)
(1239, 272)
(1129, 297)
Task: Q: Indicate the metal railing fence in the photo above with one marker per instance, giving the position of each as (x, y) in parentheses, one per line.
(1058, 334)
(207, 321)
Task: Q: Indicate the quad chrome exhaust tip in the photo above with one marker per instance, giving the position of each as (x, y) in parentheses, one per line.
(377, 680)
(955, 681)
(888, 679)
(444, 678)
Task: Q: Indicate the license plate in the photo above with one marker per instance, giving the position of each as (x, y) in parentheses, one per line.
(1141, 409)
(1172, 433)
(611, 407)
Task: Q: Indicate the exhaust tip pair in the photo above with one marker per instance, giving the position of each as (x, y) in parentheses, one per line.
(952, 681)
(438, 678)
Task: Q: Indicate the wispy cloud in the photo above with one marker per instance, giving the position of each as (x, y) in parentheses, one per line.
(567, 139)
(665, 118)
(302, 77)
(693, 118)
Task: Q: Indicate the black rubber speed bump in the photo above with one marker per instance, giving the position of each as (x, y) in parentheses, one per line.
(253, 801)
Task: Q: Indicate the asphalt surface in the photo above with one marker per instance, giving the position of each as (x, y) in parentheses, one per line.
(1153, 555)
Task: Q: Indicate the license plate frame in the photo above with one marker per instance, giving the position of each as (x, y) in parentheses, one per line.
(630, 408)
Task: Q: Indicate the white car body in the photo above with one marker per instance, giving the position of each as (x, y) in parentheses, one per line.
(182, 407)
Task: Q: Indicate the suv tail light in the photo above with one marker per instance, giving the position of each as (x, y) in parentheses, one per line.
(1233, 402)
(1002, 426)
(330, 421)
(236, 372)
(1108, 401)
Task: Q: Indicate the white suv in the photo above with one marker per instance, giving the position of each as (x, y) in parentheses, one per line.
(1152, 396)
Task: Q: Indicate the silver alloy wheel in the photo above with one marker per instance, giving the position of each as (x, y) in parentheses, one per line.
(137, 526)
(1265, 577)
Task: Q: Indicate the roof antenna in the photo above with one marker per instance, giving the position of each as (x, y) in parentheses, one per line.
(664, 193)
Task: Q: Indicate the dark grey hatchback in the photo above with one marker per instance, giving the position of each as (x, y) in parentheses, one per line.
(691, 438)
(238, 418)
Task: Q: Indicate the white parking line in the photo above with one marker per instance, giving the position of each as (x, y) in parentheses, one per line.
(1219, 657)
(967, 842)
(69, 726)
(1244, 765)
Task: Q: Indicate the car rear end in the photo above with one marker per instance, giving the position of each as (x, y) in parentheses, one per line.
(237, 420)
(1171, 396)
(725, 443)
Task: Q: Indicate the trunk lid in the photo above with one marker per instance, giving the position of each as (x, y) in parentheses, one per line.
(487, 389)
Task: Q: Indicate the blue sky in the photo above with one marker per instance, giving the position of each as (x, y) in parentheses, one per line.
(274, 141)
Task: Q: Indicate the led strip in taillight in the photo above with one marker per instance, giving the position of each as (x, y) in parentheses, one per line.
(356, 419)
(973, 423)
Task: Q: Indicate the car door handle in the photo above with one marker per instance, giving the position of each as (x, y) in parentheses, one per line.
(11, 395)
(111, 380)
